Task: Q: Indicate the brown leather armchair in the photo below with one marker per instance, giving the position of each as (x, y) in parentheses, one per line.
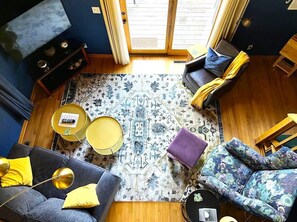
(196, 76)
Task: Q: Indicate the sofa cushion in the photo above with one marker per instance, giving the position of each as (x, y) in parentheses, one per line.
(44, 163)
(202, 76)
(21, 204)
(107, 184)
(51, 210)
(19, 173)
(82, 197)
(216, 63)
(85, 173)
(227, 168)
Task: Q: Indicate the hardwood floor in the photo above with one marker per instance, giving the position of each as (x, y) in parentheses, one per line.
(261, 98)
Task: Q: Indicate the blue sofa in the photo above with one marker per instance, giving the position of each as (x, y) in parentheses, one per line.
(44, 202)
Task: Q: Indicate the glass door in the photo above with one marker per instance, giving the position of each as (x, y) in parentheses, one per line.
(167, 26)
(193, 23)
(146, 25)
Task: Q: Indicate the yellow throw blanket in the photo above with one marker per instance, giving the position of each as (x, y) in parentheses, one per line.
(202, 93)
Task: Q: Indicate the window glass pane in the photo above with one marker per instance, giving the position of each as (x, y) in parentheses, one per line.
(193, 23)
(147, 23)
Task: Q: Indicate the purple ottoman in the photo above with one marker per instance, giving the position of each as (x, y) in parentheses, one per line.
(186, 148)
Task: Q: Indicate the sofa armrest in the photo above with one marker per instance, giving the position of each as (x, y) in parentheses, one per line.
(19, 150)
(218, 92)
(254, 206)
(107, 188)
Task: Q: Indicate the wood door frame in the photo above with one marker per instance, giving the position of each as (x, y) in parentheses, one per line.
(170, 30)
(123, 8)
(172, 7)
(170, 33)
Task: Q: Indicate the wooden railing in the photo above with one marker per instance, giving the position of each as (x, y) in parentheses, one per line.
(267, 141)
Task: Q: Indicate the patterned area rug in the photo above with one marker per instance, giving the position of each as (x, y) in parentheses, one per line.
(151, 110)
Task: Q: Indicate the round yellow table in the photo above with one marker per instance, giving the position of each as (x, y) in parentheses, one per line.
(105, 135)
(72, 131)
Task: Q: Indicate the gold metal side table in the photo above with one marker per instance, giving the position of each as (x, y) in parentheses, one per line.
(105, 135)
(71, 122)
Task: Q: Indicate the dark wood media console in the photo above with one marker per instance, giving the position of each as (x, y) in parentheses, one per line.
(56, 63)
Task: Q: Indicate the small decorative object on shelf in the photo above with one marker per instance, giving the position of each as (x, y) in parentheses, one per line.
(57, 62)
(76, 64)
(64, 44)
(43, 65)
(71, 66)
(51, 51)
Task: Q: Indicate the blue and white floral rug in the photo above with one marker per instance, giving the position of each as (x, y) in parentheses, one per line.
(151, 109)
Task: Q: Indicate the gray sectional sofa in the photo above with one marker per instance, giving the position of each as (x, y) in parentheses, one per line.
(44, 202)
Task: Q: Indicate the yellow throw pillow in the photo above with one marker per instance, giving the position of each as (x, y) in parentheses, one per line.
(20, 173)
(82, 197)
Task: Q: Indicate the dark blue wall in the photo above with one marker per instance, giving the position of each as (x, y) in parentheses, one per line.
(86, 26)
(11, 125)
(272, 26)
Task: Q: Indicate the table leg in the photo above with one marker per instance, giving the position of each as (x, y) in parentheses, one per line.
(184, 213)
(77, 137)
